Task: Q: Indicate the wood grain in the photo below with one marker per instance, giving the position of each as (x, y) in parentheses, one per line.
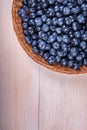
(32, 97)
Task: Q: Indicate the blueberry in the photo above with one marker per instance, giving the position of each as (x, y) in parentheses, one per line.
(85, 61)
(39, 12)
(79, 58)
(68, 20)
(70, 63)
(60, 1)
(32, 15)
(54, 21)
(42, 44)
(52, 52)
(77, 34)
(66, 11)
(51, 1)
(75, 26)
(45, 28)
(34, 43)
(52, 28)
(58, 30)
(44, 36)
(31, 22)
(56, 8)
(30, 30)
(61, 8)
(48, 47)
(51, 60)
(44, 18)
(60, 53)
(22, 12)
(56, 45)
(70, 57)
(26, 32)
(84, 36)
(52, 38)
(41, 53)
(64, 47)
(75, 10)
(65, 29)
(83, 54)
(83, 45)
(49, 21)
(32, 10)
(80, 1)
(50, 12)
(58, 14)
(75, 41)
(58, 58)
(60, 21)
(65, 39)
(45, 56)
(59, 38)
(25, 18)
(63, 62)
(38, 21)
(81, 18)
(84, 6)
(74, 51)
(35, 50)
(28, 39)
(34, 36)
(76, 66)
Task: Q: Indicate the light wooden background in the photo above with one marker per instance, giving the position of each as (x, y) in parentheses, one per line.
(32, 97)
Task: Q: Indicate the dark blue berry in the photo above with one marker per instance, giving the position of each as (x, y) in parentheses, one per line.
(51, 60)
(42, 44)
(38, 21)
(45, 28)
(52, 52)
(56, 45)
(66, 11)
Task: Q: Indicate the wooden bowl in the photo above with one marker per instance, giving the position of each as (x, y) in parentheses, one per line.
(19, 32)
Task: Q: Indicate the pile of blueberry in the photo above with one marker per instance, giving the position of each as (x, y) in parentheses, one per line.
(56, 30)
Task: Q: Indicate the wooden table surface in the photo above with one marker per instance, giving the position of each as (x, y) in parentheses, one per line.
(31, 96)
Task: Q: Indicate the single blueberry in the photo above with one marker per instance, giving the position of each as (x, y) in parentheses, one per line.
(79, 58)
(51, 60)
(44, 18)
(76, 66)
(45, 28)
(58, 58)
(70, 63)
(83, 44)
(65, 39)
(74, 51)
(35, 50)
(46, 55)
(48, 47)
(66, 11)
(34, 43)
(38, 21)
(52, 52)
(63, 62)
(56, 45)
(58, 30)
(42, 44)
(28, 39)
(81, 18)
(60, 21)
(85, 61)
